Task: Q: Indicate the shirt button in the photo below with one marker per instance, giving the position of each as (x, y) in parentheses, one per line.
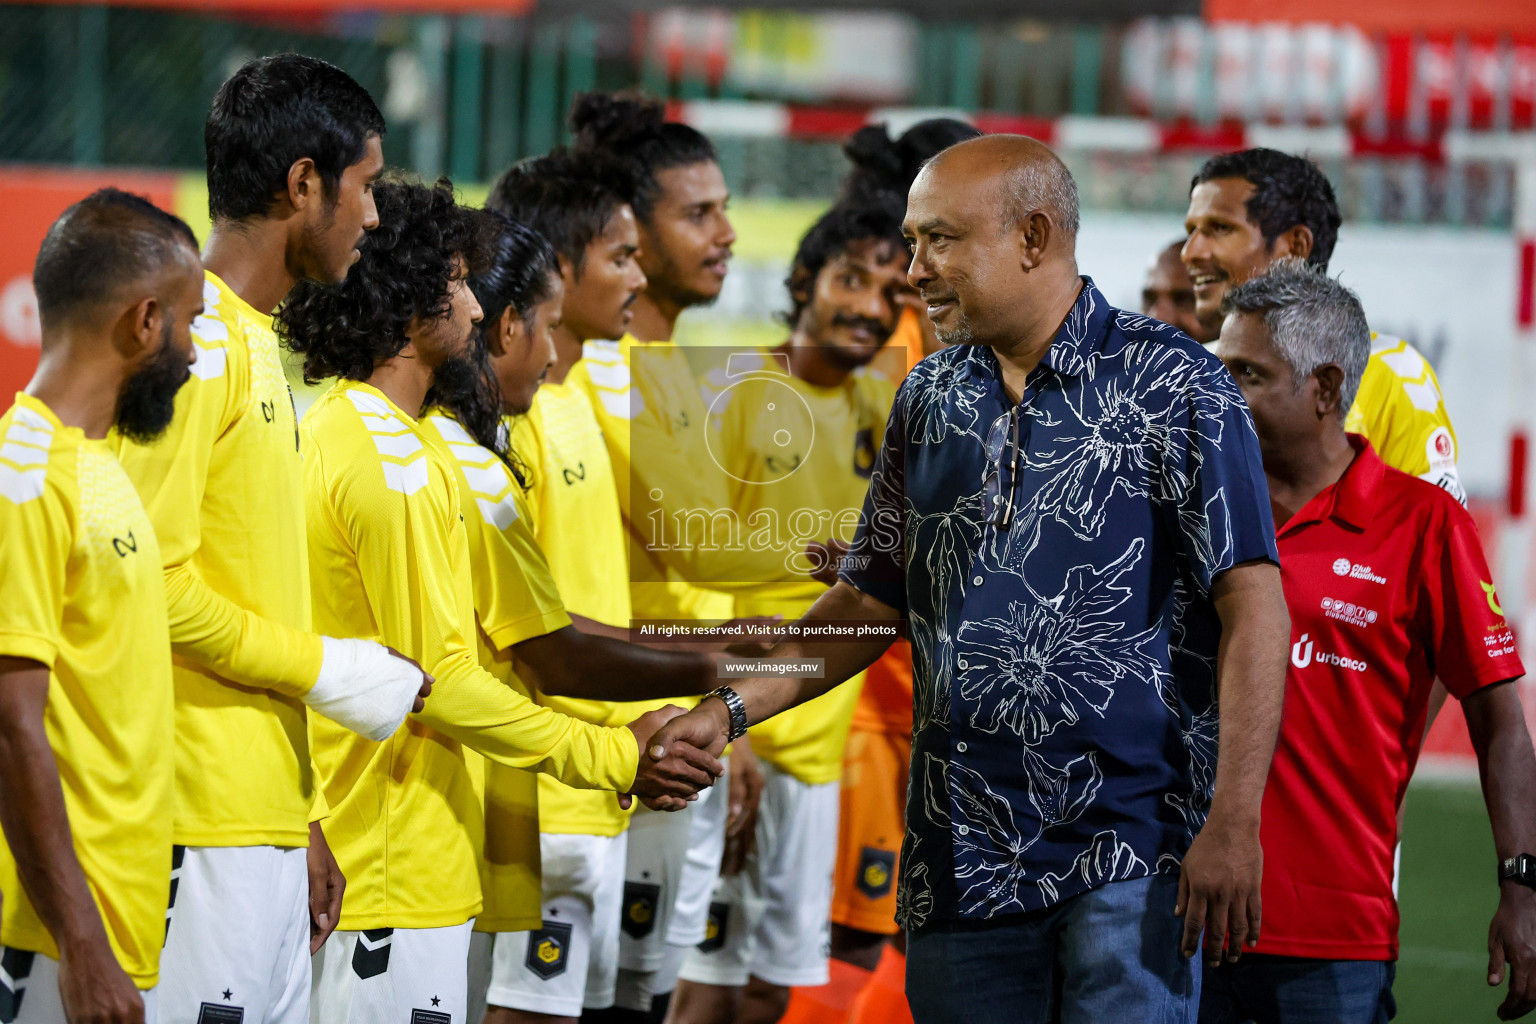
(977, 581)
(962, 663)
(964, 830)
(960, 746)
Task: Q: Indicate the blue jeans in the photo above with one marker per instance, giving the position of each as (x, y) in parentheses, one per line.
(1298, 990)
(1109, 955)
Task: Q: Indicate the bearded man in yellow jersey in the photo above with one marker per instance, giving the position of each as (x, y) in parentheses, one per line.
(647, 399)
(798, 429)
(1250, 208)
(390, 558)
(86, 701)
(293, 148)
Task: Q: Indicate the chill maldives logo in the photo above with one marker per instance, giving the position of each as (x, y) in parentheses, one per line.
(1303, 655)
(1355, 571)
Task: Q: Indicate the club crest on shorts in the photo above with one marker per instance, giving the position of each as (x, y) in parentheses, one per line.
(641, 900)
(217, 1013)
(549, 950)
(877, 869)
(370, 957)
(714, 927)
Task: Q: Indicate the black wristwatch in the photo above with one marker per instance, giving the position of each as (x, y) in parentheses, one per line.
(1519, 868)
(736, 706)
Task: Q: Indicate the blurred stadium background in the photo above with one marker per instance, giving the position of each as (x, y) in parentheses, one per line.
(1422, 113)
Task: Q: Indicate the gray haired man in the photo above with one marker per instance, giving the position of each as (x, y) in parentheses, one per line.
(1387, 586)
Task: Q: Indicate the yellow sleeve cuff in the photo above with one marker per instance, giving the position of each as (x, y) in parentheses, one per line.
(541, 623)
(29, 646)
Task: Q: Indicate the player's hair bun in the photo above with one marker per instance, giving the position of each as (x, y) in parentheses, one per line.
(875, 155)
(883, 164)
(603, 120)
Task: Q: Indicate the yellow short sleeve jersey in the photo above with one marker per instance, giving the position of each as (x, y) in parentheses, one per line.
(224, 488)
(575, 516)
(390, 561)
(799, 457)
(652, 411)
(515, 600)
(1400, 410)
(82, 592)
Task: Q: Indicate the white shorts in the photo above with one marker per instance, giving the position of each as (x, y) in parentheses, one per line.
(772, 921)
(706, 845)
(237, 936)
(653, 869)
(572, 961)
(29, 989)
(668, 875)
(393, 976)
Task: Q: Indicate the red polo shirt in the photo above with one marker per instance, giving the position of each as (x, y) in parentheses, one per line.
(1387, 587)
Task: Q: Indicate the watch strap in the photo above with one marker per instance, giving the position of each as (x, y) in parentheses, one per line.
(1519, 868)
(737, 708)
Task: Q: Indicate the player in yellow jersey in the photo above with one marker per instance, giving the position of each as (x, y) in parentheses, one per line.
(293, 146)
(573, 511)
(522, 622)
(86, 701)
(647, 399)
(1250, 208)
(390, 558)
(798, 430)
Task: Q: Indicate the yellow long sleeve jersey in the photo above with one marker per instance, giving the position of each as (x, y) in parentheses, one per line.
(224, 490)
(573, 511)
(1400, 410)
(799, 458)
(515, 600)
(82, 592)
(389, 560)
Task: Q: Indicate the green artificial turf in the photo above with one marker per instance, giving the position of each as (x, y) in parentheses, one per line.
(1447, 894)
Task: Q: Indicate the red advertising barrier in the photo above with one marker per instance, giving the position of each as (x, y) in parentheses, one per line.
(1493, 17)
(267, 8)
(32, 199)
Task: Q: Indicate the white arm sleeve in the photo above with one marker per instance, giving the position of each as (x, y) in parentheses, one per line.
(364, 687)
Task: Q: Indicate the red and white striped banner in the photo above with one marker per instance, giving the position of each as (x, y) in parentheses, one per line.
(749, 119)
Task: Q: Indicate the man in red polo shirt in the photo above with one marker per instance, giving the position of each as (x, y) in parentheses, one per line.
(1387, 587)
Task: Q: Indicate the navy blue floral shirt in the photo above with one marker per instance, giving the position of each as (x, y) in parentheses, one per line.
(1054, 560)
